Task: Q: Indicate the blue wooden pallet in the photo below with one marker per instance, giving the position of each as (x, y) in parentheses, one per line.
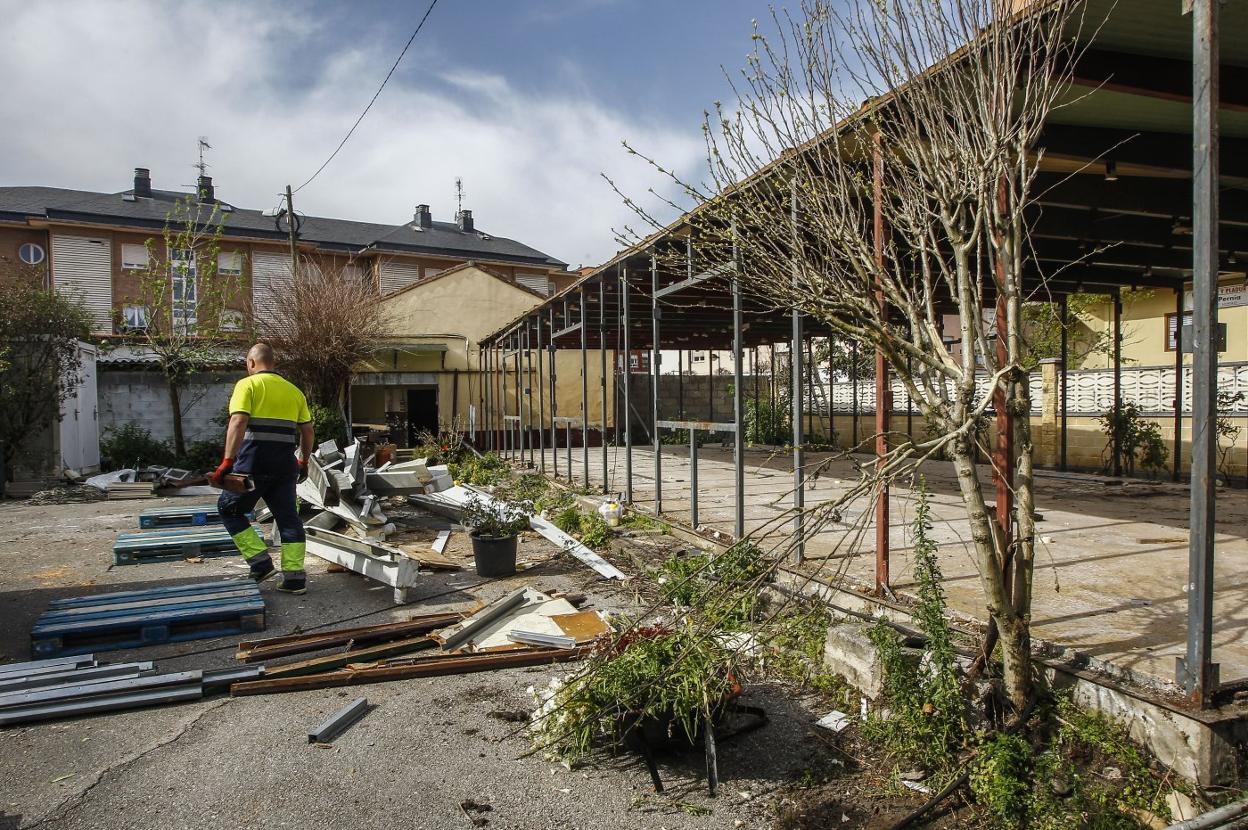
(191, 515)
(130, 619)
(176, 543)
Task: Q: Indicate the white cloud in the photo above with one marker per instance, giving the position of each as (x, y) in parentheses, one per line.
(94, 89)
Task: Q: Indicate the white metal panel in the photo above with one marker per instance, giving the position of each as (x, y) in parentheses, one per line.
(396, 275)
(269, 272)
(82, 266)
(539, 284)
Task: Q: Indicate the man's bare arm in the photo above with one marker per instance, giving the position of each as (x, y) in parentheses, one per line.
(234, 433)
(306, 438)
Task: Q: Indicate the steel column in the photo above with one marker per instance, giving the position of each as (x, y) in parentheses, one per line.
(1114, 437)
(1062, 380)
(738, 398)
(883, 387)
(541, 399)
(554, 401)
(602, 354)
(795, 391)
(628, 388)
(526, 397)
(483, 363)
(1176, 474)
(584, 396)
(654, 385)
(1196, 671)
(693, 477)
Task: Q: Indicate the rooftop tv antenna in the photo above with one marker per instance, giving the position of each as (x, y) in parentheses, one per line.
(201, 165)
(459, 195)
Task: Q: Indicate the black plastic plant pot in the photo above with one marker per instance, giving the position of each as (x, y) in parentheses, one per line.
(494, 555)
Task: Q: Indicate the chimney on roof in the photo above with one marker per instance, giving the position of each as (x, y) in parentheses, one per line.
(423, 218)
(205, 189)
(142, 182)
(464, 219)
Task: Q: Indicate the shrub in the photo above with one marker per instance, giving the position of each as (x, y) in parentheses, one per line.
(327, 423)
(496, 518)
(1000, 779)
(202, 455)
(1138, 439)
(724, 588)
(130, 445)
(484, 470)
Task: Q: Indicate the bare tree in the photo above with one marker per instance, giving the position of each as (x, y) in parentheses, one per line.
(956, 94)
(182, 305)
(327, 319)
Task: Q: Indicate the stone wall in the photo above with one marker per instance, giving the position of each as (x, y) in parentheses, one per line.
(141, 397)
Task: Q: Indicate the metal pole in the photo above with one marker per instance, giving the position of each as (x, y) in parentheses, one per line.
(883, 386)
(541, 400)
(693, 477)
(654, 385)
(1117, 445)
(1178, 382)
(628, 387)
(1062, 380)
(517, 451)
(680, 380)
(710, 382)
(831, 392)
(483, 364)
(795, 390)
(1196, 671)
(853, 376)
(527, 396)
(584, 393)
(738, 399)
(775, 426)
(602, 354)
(554, 402)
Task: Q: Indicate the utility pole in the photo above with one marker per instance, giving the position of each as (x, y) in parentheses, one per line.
(292, 231)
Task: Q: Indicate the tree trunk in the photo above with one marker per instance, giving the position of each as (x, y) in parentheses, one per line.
(990, 561)
(175, 404)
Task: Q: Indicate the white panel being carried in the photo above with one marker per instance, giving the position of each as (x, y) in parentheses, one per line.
(396, 274)
(82, 266)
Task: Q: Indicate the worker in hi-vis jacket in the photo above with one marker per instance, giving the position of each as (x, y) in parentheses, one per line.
(269, 418)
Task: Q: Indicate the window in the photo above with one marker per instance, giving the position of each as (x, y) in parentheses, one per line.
(31, 254)
(183, 273)
(230, 263)
(134, 318)
(134, 257)
(231, 320)
(1170, 318)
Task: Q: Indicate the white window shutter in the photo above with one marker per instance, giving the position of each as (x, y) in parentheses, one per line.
(83, 266)
(270, 271)
(396, 275)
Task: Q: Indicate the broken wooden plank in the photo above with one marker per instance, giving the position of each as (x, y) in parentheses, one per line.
(337, 661)
(256, 651)
(433, 667)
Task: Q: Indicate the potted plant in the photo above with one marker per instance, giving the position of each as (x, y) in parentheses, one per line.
(494, 525)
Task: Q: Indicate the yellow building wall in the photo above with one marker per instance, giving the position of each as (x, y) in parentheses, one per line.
(1144, 333)
(567, 387)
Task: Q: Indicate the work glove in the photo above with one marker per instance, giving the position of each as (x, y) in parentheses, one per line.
(223, 469)
(303, 470)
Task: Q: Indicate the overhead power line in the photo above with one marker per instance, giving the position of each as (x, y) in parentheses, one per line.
(373, 100)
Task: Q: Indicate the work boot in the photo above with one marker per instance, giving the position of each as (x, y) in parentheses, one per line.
(293, 582)
(261, 567)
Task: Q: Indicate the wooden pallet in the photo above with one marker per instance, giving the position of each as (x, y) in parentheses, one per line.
(130, 619)
(192, 515)
(177, 543)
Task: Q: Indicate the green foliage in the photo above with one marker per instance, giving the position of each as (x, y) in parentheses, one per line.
(529, 487)
(767, 422)
(723, 588)
(496, 518)
(201, 455)
(640, 521)
(554, 501)
(444, 447)
(928, 722)
(1042, 331)
(130, 445)
(595, 532)
(39, 360)
(1077, 755)
(1138, 439)
(793, 651)
(999, 779)
(586, 525)
(327, 423)
(567, 518)
(1226, 431)
(677, 677)
(484, 470)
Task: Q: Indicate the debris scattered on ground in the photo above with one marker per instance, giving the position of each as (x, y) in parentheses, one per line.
(339, 722)
(835, 721)
(68, 494)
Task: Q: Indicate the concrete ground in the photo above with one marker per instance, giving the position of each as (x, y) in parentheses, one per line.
(1110, 571)
(429, 746)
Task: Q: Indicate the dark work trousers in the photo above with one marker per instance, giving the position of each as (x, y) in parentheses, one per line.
(278, 493)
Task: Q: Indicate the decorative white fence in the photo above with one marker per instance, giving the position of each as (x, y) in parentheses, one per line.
(1088, 391)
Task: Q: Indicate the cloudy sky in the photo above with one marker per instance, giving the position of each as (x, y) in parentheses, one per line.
(527, 100)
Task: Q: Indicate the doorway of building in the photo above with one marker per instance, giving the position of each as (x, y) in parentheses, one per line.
(422, 413)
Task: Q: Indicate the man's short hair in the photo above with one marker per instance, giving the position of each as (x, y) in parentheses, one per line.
(262, 354)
